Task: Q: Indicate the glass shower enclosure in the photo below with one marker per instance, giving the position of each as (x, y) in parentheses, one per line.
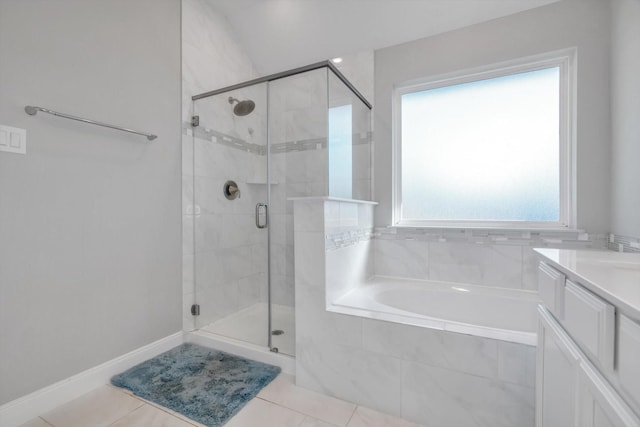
(301, 133)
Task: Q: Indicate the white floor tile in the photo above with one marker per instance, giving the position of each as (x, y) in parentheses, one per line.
(36, 422)
(365, 417)
(98, 408)
(261, 413)
(147, 415)
(312, 422)
(162, 408)
(283, 392)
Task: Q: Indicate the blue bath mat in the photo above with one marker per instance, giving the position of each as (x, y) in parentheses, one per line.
(206, 385)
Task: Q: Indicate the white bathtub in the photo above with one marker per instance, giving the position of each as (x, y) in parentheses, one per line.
(503, 314)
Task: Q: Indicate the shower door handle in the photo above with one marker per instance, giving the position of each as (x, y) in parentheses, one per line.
(262, 217)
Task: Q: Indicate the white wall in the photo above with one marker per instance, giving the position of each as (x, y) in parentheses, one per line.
(580, 23)
(625, 111)
(89, 217)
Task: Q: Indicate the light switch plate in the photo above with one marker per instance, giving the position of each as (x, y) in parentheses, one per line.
(13, 140)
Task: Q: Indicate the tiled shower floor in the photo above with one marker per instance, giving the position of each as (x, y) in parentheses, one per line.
(250, 325)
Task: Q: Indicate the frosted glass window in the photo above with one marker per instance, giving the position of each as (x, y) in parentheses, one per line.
(340, 152)
(487, 150)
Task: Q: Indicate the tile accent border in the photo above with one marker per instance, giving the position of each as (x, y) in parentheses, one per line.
(542, 238)
(620, 243)
(346, 238)
(260, 149)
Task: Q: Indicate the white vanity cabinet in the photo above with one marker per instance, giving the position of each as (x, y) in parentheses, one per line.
(570, 390)
(588, 354)
(598, 403)
(557, 369)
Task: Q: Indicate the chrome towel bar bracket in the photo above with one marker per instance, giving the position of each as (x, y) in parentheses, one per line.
(32, 111)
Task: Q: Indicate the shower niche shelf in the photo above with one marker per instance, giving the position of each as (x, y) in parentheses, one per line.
(260, 182)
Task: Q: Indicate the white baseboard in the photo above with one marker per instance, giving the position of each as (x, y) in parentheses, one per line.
(30, 406)
(243, 349)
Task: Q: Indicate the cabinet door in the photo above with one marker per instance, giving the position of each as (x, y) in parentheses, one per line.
(557, 375)
(600, 405)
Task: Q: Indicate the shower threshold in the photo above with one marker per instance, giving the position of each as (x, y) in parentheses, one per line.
(247, 325)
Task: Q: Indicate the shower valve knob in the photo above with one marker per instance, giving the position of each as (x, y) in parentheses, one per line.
(231, 190)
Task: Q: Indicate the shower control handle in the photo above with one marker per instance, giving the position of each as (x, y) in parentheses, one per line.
(262, 218)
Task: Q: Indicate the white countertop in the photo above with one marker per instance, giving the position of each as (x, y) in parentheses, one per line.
(612, 275)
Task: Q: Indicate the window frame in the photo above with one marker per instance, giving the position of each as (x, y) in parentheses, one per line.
(566, 61)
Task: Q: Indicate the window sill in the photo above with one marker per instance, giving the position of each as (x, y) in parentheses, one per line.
(481, 228)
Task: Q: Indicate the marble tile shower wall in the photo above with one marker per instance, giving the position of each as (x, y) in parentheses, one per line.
(207, 42)
(432, 377)
(498, 259)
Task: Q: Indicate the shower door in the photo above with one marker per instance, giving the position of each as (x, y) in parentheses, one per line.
(231, 198)
(255, 148)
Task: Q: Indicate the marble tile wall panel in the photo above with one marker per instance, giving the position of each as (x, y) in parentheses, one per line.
(464, 353)
(441, 397)
(309, 259)
(208, 41)
(322, 327)
(308, 167)
(351, 374)
(218, 161)
(299, 91)
(218, 121)
(282, 290)
(281, 227)
(347, 216)
(308, 215)
(516, 363)
(347, 268)
(278, 170)
(210, 198)
(402, 258)
(365, 215)
(489, 265)
(489, 258)
(252, 289)
(216, 302)
(332, 223)
(223, 265)
(298, 113)
(529, 268)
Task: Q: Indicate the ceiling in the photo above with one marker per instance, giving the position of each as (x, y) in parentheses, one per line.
(283, 34)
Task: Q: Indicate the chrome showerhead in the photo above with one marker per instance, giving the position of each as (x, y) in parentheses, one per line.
(242, 108)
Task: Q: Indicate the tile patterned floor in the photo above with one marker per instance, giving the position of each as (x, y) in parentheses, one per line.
(280, 404)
